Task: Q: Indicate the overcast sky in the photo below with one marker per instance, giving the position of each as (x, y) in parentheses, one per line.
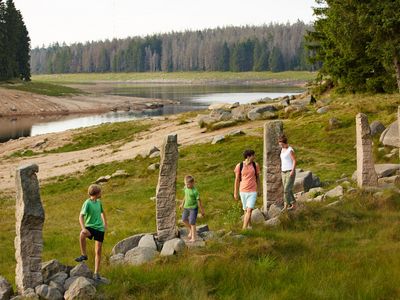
(69, 21)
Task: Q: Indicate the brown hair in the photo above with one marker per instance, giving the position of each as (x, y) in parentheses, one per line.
(247, 153)
(189, 178)
(94, 190)
(282, 139)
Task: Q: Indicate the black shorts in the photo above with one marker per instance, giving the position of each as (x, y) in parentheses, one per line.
(96, 234)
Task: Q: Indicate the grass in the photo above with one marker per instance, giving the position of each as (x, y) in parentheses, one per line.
(43, 88)
(345, 252)
(176, 76)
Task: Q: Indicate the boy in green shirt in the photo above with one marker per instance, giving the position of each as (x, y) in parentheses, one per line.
(191, 204)
(93, 225)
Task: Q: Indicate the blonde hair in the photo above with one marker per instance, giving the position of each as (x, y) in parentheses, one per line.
(189, 178)
(94, 190)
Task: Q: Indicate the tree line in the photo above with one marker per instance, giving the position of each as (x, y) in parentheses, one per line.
(275, 47)
(14, 43)
(358, 44)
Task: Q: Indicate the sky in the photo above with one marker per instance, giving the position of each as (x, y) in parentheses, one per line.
(69, 21)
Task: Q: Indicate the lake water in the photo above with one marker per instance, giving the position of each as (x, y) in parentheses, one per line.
(190, 98)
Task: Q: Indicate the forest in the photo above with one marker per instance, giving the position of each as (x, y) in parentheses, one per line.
(273, 47)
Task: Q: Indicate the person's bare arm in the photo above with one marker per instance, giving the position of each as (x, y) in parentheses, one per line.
(103, 217)
(293, 157)
(236, 187)
(82, 223)
(201, 207)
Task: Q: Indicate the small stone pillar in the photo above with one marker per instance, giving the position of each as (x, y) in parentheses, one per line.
(272, 178)
(29, 224)
(366, 174)
(166, 190)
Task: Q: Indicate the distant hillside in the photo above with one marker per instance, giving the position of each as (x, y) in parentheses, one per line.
(275, 47)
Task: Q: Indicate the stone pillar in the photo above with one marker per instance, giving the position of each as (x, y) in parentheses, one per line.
(166, 189)
(366, 175)
(398, 124)
(272, 179)
(29, 223)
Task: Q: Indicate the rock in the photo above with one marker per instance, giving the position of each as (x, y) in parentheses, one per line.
(323, 110)
(294, 108)
(59, 278)
(81, 270)
(221, 115)
(336, 192)
(351, 191)
(127, 244)
(334, 123)
(303, 182)
(257, 217)
(218, 139)
(390, 136)
(117, 259)
(218, 106)
(272, 222)
(140, 255)
(208, 235)
(51, 268)
(236, 132)
(40, 143)
(377, 128)
(389, 180)
(202, 228)
(49, 293)
(81, 288)
(285, 102)
(262, 113)
(119, 173)
(153, 167)
(103, 179)
(57, 286)
(205, 121)
(6, 289)
(316, 191)
(222, 124)
(318, 198)
(155, 154)
(147, 241)
(172, 246)
(234, 105)
(240, 113)
(386, 170)
(274, 211)
(395, 151)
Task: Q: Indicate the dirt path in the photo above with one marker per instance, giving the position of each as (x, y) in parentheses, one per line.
(51, 165)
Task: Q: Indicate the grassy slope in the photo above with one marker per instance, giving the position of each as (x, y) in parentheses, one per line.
(348, 252)
(185, 76)
(43, 88)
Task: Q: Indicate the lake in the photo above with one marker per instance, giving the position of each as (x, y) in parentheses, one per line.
(190, 98)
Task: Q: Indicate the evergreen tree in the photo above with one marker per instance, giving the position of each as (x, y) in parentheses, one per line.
(276, 60)
(224, 58)
(12, 28)
(3, 43)
(23, 49)
(261, 56)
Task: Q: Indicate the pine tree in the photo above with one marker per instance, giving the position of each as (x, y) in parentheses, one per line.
(11, 26)
(3, 43)
(23, 49)
(276, 60)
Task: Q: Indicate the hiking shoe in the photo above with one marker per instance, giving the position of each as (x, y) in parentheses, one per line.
(81, 258)
(96, 276)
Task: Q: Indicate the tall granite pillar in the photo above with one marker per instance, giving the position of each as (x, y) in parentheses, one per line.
(366, 175)
(272, 179)
(166, 189)
(29, 223)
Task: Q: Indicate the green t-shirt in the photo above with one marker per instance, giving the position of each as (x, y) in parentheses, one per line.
(92, 214)
(191, 197)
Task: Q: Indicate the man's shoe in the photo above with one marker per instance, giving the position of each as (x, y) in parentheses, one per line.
(81, 258)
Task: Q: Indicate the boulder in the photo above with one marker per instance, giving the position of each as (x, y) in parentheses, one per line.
(57, 286)
(117, 259)
(208, 235)
(221, 115)
(205, 121)
(202, 228)
(140, 255)
(318, 198)
(240, 113)
(390, 136)
(236, 132)
(147, 241)
(274, 211)
(59, 278)
(257, 217)
(377, 128)
(103, 179)
(262, 113)
(272, 222)
(336, 192)
(218, 139)
(155, 154)
(172, 246)
(389, 180)
(234, 105)
(222, 124)
(386, 170)
(6, 289)
(49, 293)
(51, 268)
(218, 106)
(333, 123)
(119, 173)
(127, 244)
(303, 182)
(81, 288)
(152, 150)
(153, 167)
(81, 270)
(323, 110)
(285, 102)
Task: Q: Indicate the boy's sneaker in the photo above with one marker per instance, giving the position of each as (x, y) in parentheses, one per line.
(96, 276)
(81, 258)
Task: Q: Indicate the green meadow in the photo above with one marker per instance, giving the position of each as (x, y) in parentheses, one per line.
(347, 251)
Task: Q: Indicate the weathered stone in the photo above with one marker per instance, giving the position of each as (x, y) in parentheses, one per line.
(81, 270)
(303, 181)
(234, 105)
(222, 124)
(274, 211)
(47, 292)
(390, 136)
(172, 246)
(117, 259)
(127, 244)
(140, 255)
(148, 241)
(202, 228)
(119, 173)
(366, 175)
(208, 235)
(240, 113)
(318, 198)
(51, 268)
(153, 167)
(103, 179)
(386, 170)
(205, 121)
(272, 179)
(152, 150)
(262, 112)
(377, 128)
(155, 154)
(236, 132)
(389, 180)
(166, 190)
(333, 123)
(29, 223)
(6, 289)
(336, 192)
(57, 286)
(272, 222)
(323, 110)
(58, 278)
(218, 106)
(81, 288)
(257, 216)
(218, 139)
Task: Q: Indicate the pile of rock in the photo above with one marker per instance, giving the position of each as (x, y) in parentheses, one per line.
(106, 178)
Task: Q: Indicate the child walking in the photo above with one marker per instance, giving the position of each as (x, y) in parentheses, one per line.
(93, 225)
(191, 204)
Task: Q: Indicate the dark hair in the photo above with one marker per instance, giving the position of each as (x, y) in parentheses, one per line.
(248, 153)
(94, 190)
(282, 139)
